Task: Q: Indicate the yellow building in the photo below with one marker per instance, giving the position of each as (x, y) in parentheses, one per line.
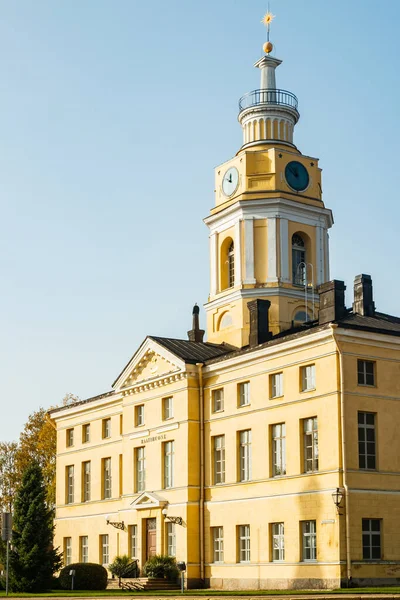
(268, 456)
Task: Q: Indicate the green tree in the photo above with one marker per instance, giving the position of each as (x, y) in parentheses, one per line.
(8, 475)
(33, 560)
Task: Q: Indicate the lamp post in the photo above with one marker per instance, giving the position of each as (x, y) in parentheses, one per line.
(176, 520)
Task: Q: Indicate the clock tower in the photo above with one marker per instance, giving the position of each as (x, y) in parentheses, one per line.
(269, 226)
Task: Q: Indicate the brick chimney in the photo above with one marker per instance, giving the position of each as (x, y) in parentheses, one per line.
(363, 296)
(259, 327)
(196, 334)
(331, 301)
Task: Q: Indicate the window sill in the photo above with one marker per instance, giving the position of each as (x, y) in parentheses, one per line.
(308, 390)
(168, 418)
(276, 397)
(369, 385)
(215, 412)
(244, 405)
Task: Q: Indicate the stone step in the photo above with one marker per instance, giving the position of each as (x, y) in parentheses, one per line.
(144, 583)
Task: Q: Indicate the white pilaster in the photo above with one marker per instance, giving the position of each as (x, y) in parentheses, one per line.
(284, 250)
(213, 264)
(272, 261)
(320, 258)
(249, 251)
(238, 254)
(327, 272)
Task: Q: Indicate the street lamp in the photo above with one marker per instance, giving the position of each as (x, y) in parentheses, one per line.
(337, 498)
(176, 520)
(116, 524)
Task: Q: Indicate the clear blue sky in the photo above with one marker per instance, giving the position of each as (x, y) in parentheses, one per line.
(113, 116)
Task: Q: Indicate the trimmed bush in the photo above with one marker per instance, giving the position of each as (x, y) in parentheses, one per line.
(88, 576)
(161, 566)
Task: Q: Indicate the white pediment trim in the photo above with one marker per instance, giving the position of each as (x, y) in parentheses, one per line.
(149, 351)
(149, 500)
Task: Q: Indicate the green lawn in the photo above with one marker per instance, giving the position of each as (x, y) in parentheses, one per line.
(209, 593)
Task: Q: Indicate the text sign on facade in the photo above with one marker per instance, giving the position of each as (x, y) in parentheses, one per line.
(154, 438)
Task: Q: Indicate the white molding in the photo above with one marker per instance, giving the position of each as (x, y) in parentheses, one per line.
(235, 295)
(167, 428)
(238, 254)
(141, 434)
(284, 250)
(213, 263)
(249, 251)
(272, 257)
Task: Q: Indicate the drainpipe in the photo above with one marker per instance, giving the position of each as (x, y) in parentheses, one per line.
(201, 508)
(344, 458)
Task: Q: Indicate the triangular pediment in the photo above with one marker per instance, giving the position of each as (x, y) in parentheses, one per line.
(151, 362)
(149, 500)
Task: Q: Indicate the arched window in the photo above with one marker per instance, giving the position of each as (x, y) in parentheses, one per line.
(231, 265)
(301, 317)
(298, 260)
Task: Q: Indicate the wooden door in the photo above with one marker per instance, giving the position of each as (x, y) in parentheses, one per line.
(151, 540)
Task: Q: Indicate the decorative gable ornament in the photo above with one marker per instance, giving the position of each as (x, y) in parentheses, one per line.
(149, 500)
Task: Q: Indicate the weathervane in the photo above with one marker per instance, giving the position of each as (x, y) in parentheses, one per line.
(267, 20)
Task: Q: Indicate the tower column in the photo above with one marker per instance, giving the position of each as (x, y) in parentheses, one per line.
(238, 254)
(320, 255)
(213, 264)
(271, 249)
(284, 250)
(249, 250)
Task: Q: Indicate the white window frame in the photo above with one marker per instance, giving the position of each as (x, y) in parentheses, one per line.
(105, 549)
(276, 390)
(168, 408)
(169, 460)
(362, 372)
(107, 479)
(371, 535)
(309, 541)
(217, 400)
(133, 541)
(106, 428)
(139, 415)
(67, 551)
(244, 393)
(308, 378)
(70, 437)
(171, 539)
(70, 480)
(85, 433)
(217, 534)
(245, 455)
(86, 480)
(219, 459)
(278, 542)
(278, 433)
(244, 543)
(366, 437)
(310, 445)
(84, 549)
(140, 469)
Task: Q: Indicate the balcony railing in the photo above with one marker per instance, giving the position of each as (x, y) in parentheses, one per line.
(268, 97)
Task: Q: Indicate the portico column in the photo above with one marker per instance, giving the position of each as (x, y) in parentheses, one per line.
(319, 254)
(249, 250)
(238, 254)
(284, 250)
(213, 264)
(272, 261)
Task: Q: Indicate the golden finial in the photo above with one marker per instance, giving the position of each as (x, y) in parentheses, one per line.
(267, 20)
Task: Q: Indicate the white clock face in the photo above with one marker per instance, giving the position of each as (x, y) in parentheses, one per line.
(230, 181)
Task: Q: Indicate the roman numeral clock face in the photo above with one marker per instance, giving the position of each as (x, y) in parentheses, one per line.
(230, 181)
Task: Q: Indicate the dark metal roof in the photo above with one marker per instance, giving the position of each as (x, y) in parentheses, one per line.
(192, 352)
(79, 402)
(379, 323)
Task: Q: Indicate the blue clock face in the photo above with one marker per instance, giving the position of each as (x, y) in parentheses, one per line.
(297, 176)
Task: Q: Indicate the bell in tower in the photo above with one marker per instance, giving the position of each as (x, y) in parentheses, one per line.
(269, 226)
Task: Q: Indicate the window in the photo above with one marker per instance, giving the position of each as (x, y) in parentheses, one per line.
(86, 481)
(217, 536)
(371, 539)
(244, 393)
(86, 433)
(218, 400)
(67, 551)
(366, 372)
(140, 462)
(309, 535)
(69, 496)
(244, 543)
(168, 464)
(278, 541)
(276, 385)
(106, 478)
(307, 378)
(168, 408)
(278, 449)
(84, 549)
(366, 441)
(245, 455)
(219, 459)
(298, 260)
(70, 438)
(121, 424)
(171, 539)
(139, 415)
(231, 265)
(133, 541)
(104, 554)
(106, 428)
(301, 317)
(310, 444)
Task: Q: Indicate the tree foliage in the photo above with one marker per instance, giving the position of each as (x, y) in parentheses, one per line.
(33, 560)
(9, 478)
